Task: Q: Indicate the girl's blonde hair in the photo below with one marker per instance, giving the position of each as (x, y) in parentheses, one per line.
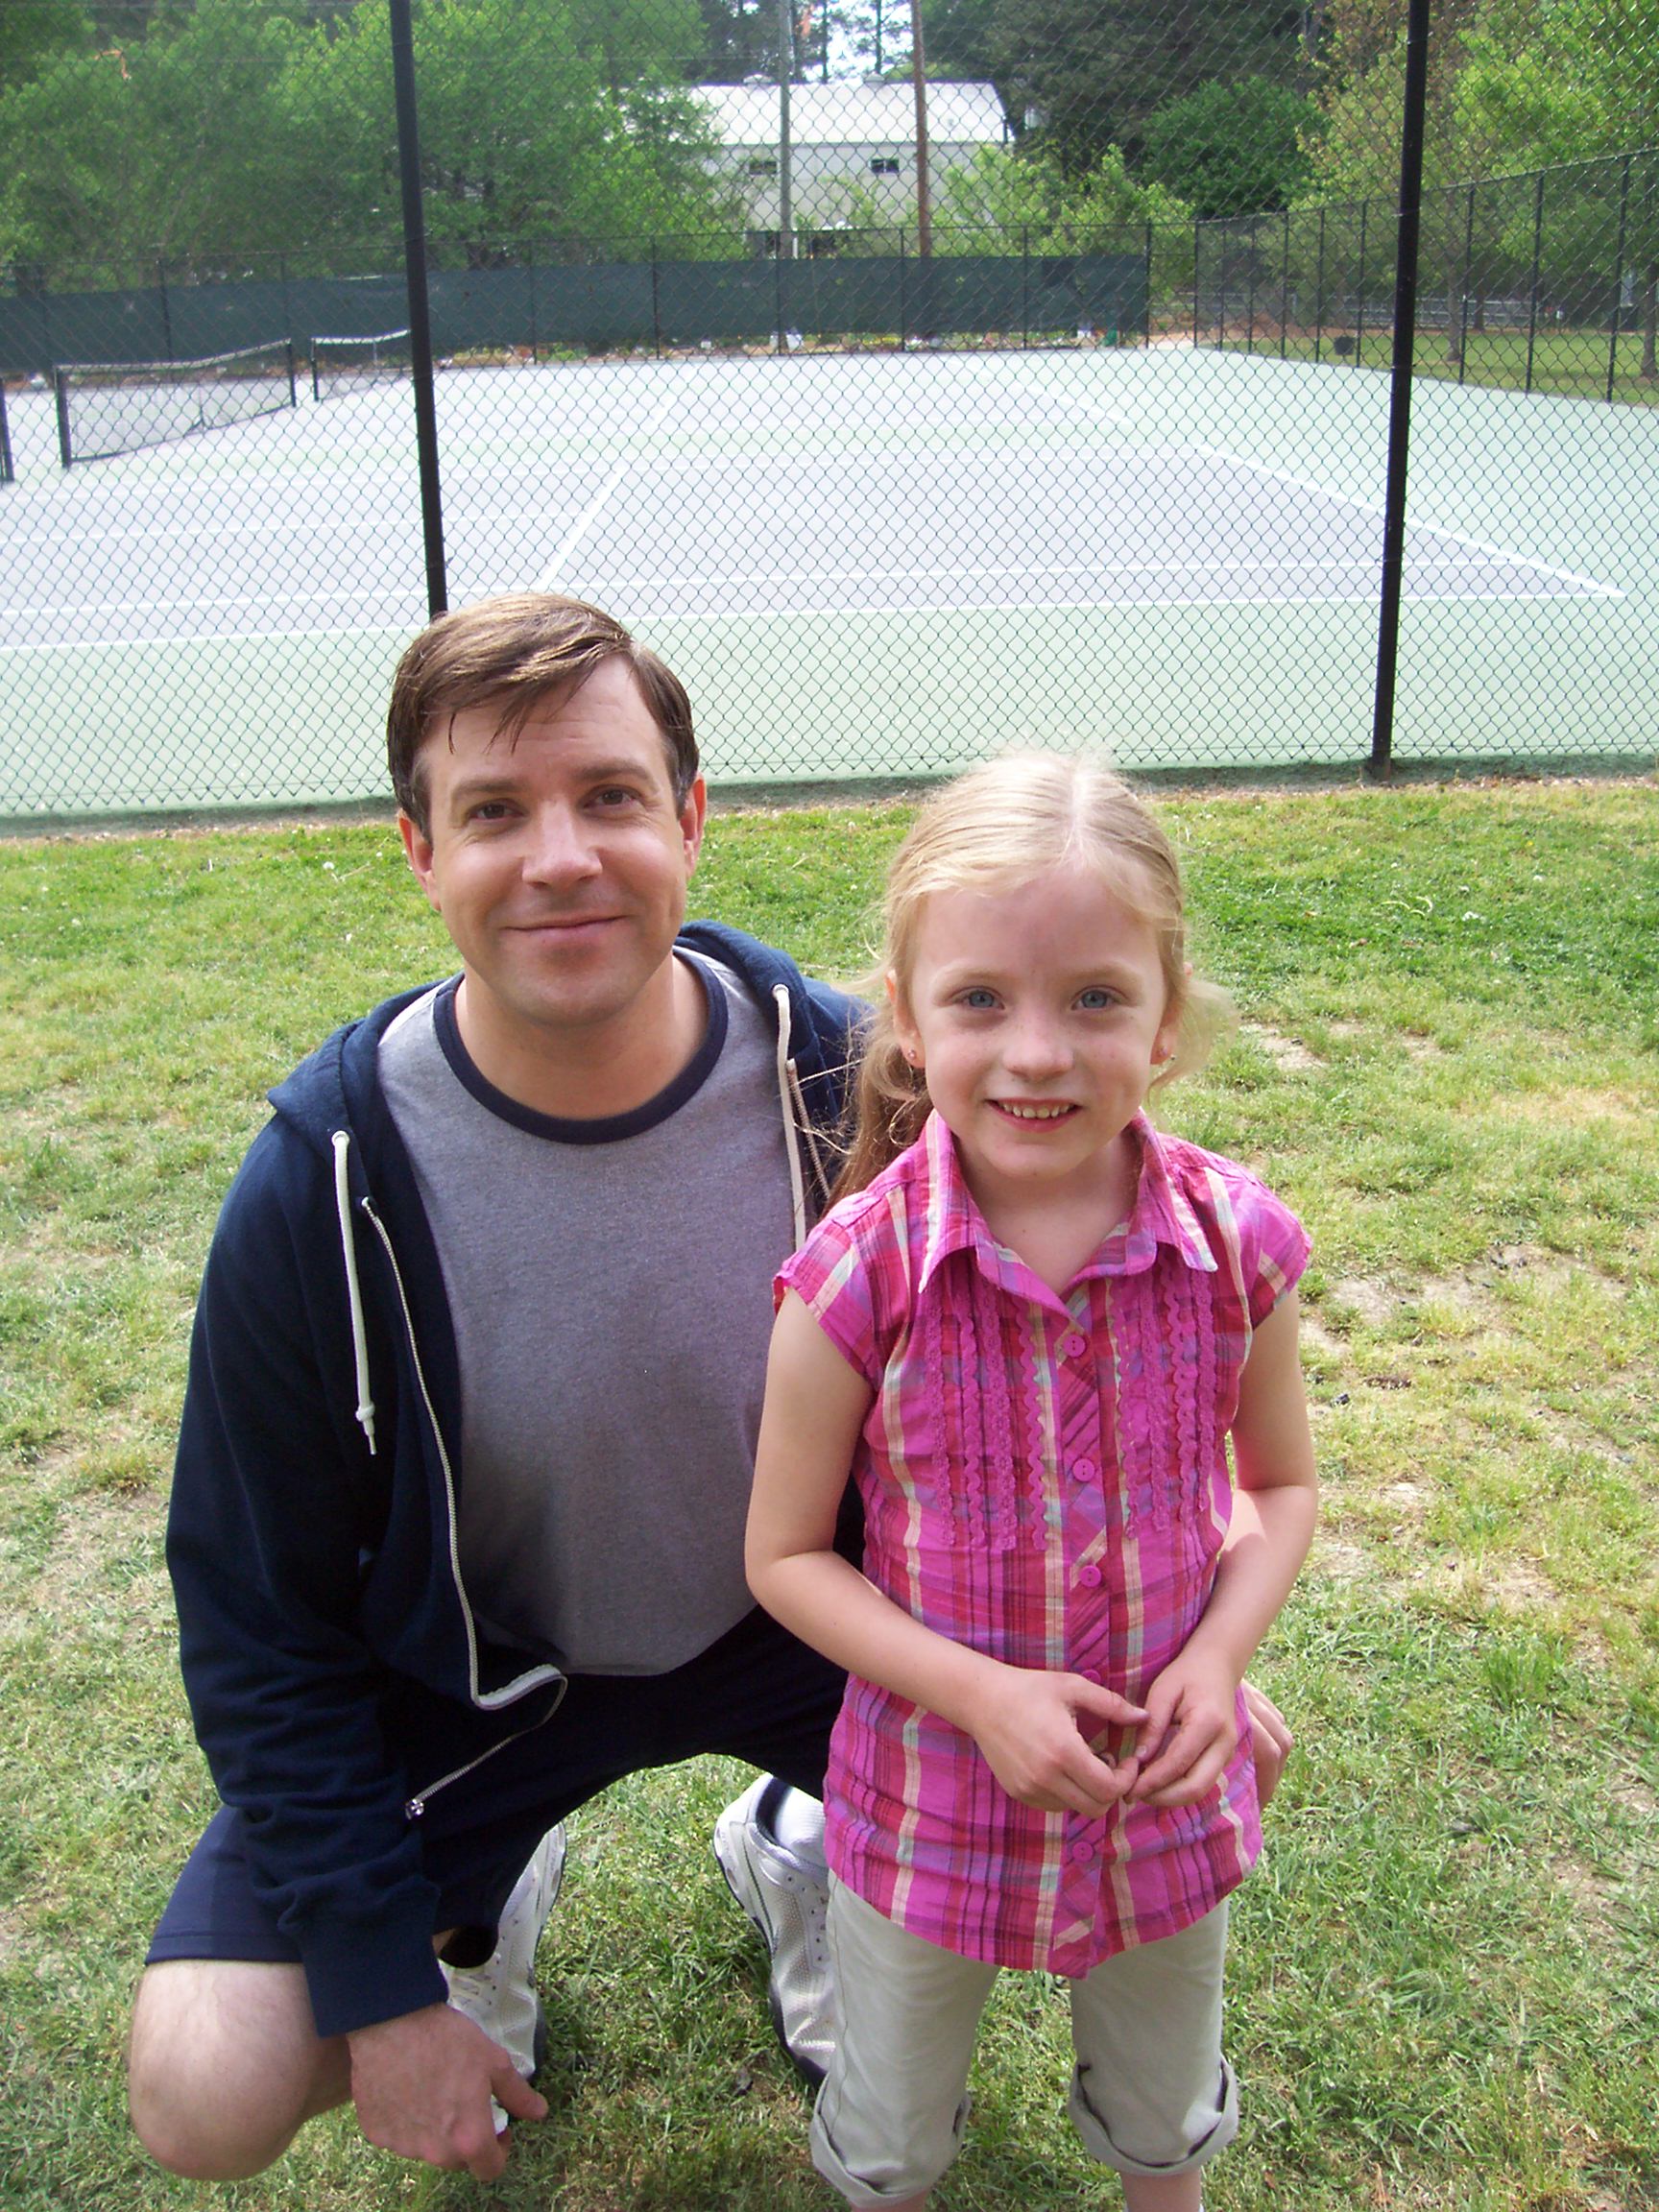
(996, 828)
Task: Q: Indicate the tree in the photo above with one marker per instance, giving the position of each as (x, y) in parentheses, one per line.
(1010, 194)
(36, 32)
(1232, 149)
(235, 128)
(1085, 75)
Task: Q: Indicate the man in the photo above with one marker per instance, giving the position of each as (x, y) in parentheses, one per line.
(458, 1515)
(467, 1446)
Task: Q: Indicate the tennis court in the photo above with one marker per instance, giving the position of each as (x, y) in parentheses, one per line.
(863, 565)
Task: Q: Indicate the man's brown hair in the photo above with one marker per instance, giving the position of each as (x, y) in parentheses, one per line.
(517, 652)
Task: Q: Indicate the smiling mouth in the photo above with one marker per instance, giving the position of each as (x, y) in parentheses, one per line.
(1018, 1112)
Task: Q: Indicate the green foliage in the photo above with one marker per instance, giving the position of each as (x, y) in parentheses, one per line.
(1090, 75)
(1232, 149)
(232, 130)
(35, 32)
(1029, 196)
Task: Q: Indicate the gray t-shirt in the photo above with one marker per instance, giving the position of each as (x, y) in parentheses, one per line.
(611, 1283)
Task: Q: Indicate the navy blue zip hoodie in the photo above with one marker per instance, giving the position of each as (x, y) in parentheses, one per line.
(335, 1673)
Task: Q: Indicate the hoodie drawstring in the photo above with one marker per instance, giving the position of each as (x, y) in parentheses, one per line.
(788, 1091)
(342, 1142)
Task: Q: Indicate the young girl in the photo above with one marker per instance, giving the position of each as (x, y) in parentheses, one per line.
(1028, 1338)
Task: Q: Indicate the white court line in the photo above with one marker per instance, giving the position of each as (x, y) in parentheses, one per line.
(1376, 507)
(216, 637)
(595, 506)
(1085, 607)
(1109, 569)
(416, 591)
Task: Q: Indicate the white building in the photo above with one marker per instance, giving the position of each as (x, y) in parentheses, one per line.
(851, 151)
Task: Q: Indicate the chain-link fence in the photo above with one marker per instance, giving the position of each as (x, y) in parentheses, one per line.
(1042, 393)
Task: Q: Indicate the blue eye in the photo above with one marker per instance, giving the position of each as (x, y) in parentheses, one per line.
(1096, 1000)
(978, 998)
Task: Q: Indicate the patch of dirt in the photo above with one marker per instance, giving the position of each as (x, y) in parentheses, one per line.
(1520, 1586)
(1284, 1051)
(1592, 1892)
(1341, 1561)
(1578, 1108)
(1319, 1339)
(92, 1529)
(1376, 1303)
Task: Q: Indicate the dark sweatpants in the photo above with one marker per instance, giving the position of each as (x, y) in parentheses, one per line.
(758, 1693)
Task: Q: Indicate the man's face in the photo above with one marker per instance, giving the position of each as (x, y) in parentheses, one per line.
(558, 862)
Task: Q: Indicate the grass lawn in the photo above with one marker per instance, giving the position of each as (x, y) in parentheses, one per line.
(1444, 1990)
(1571, 362)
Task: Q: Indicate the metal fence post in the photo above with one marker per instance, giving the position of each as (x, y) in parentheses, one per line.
(1468, 281)
(1406, 241)
(534, 318)
(1284, 284)
(1146, 304)
(1537, 254)
(166, 308)
(419, 305)
(656, 304)
(1360, 302)
(1617, 279)
(1319, 296)
(1255, 270)
(1024, 285)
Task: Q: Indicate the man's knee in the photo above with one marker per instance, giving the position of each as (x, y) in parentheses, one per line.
(225, 2065)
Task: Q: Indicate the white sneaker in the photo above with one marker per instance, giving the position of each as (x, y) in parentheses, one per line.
(785, 1898)
(500, 1995)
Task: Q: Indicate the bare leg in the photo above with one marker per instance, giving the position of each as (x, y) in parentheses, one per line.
(1162, 2193)
(225, 2065)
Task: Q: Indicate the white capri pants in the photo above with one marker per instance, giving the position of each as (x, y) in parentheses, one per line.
(1151, 2092)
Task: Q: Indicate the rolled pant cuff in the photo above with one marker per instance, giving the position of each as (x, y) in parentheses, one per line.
(904, 2185)
(1215, 2138)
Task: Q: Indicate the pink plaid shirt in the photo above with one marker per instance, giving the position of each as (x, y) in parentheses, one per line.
(1045, 1478)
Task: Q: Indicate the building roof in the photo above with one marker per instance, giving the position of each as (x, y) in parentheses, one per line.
(850, 113)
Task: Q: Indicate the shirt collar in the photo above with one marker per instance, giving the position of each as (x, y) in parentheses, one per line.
(1162, 1213)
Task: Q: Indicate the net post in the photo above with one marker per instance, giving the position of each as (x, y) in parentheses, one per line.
(8, 473)
(293, 382)
(1617, 279)
(315, 373)
(60, 391)
(1380, 764)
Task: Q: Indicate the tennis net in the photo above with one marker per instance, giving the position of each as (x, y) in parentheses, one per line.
(343, 364)
(106, 407)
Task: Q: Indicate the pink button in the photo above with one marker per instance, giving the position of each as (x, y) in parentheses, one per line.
(1083, 1470)
(1075, 1346)
(1089, 1576)
(1082, 1852)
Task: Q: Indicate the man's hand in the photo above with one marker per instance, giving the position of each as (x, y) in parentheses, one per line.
(1033, 1728)
(422, 2084)
(1270, 1739)
(1189, 1731)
